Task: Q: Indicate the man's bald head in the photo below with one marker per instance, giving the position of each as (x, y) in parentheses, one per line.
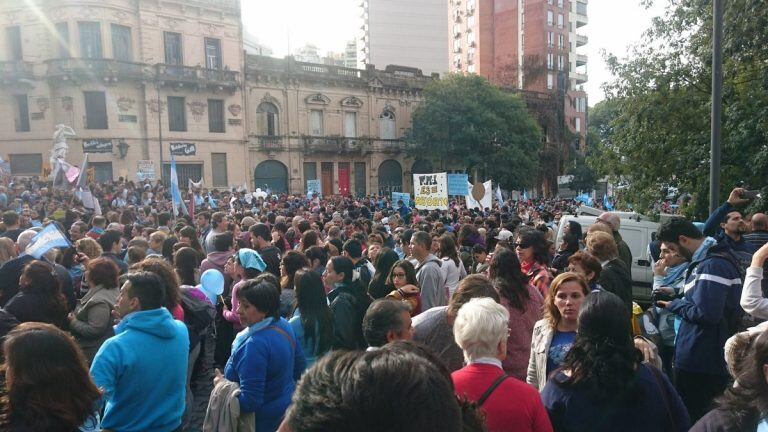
(760, 222)
(611, 220)
(24, 239)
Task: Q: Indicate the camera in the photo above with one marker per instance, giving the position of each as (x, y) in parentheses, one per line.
(750, 194)
(659, 295)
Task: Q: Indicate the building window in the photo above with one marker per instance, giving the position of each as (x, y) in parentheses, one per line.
(177, 115)
(266, 121)
(470, 21)
(219, 169)
(316, 122)
(577, 123)
(550, 2)
(350, 124)
(560, 21)
(550, 18)
(387, 126)
(581, 8)
(470, 6)
(457, 45)
(173, 49)
(90, 40)
(215, 115)
(550, 39)
(102, 172)
(62, 39)
(95, 110)
(550, 61)
(559, 3)
(561, 41)
(560, 63)
(212, 53)
(14, 43)
(456, 30)
(550, 81)
(471, 68)
(26, 163)
(22, 113)
(471, 39)
(122, 48)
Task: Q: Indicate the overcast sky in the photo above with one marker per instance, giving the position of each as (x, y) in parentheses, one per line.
(288, 24)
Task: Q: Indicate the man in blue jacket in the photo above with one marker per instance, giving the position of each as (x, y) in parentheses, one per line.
(142, 370)
(709, 310)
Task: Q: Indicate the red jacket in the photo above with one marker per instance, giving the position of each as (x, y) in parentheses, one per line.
(513, 407)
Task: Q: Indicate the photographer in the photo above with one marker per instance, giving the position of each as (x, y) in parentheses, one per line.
(668, 281)
(726, 224)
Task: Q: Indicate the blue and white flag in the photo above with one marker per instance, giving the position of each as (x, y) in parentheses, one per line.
(525, 195)
(499, 196)
(50, 237)
(607, 204)
(175, 192)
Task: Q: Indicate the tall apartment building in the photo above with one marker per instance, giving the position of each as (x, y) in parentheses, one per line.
(405, 32)
(525, 44)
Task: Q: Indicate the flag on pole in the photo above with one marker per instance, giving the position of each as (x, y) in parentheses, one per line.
(525, 195)
(606, 203)
(499, 196)
(176, 198)
(50, 237)
(83, 190)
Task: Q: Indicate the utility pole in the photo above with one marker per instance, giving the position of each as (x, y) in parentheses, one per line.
(717, 103)
(160, 130)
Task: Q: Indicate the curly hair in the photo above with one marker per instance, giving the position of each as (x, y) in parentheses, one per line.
(749, 399)
(603, 358)
(167, 274)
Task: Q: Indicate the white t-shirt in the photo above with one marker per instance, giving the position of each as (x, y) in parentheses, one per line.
(452, 274)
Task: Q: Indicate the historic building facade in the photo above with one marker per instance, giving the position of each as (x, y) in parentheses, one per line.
(341, 126)
(136, 80)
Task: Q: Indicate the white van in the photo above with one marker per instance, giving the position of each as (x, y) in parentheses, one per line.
(638, 235)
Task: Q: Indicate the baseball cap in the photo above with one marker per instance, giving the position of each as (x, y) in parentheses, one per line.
(504, 235)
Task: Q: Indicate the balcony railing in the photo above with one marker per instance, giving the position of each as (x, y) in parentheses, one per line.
(389, 146)
(97, 69)
(269, 143)
(340, 145)
(12, 71)
(197, 76)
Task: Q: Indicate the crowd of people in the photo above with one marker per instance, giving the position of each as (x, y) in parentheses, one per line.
(363, 314)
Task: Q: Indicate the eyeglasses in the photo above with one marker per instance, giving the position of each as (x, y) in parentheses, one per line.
(398, 275)
(522, 245)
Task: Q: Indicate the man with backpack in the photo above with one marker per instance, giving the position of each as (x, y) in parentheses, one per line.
(709, 310)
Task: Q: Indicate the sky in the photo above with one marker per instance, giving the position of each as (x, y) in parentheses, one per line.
(288, 24)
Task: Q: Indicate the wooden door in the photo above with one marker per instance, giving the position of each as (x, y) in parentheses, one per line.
(326, 175)
(344, 178)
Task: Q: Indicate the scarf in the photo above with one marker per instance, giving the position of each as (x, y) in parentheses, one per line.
(674, 274)
(249, 331)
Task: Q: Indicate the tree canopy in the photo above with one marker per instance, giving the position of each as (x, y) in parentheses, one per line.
(467, 123)
(653, 130)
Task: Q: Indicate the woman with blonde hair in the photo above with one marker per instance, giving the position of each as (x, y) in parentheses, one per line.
(553, 335)
(89, 247)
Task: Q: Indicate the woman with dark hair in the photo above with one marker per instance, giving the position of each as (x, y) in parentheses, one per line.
(47, 384)
(292, 262)
(167, 250)
(91, 322)
(743, 406)
(451, 267)
(188, 234)
(532, 250)
(602, 384)
(402, 278)
(245, 264)
(523, 302)
(379, 286)
(186, 262)
(278, 237)
(318, 258)
(308, 239)
(39, 297)
(266, 359)
(568, 246)
(312, 320)
(167, 274)
(348, 302)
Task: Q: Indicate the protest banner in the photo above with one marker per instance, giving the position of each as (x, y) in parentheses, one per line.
(431, 191)
(457, 184)
(146, 170)
(314, 187)
(50, 237)
(483, 198)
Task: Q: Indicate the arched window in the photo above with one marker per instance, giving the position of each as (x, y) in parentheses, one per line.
(267, 117)
(387, 126)
(390, 177)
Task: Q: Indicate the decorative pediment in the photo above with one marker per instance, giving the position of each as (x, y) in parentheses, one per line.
(352, 102)
(388, 107)
(318, 99)
(273, 100)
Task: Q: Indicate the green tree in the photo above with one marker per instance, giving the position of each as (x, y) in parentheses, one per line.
(467, 123)
(653, 129)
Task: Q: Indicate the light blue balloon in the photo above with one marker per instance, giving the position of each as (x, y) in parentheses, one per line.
(212, 284)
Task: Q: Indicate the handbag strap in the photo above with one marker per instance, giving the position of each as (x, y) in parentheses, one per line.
(664, 394)
(497, 382)
(285, 335)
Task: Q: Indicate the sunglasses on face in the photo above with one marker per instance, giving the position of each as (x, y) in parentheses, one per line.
(522, 245)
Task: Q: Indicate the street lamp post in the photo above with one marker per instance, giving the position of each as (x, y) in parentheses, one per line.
(717, 103)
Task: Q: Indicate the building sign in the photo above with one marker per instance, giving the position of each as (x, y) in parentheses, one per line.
(431, 191)
(183, 149)
(146, 170)
(457, 184)
(97, 146)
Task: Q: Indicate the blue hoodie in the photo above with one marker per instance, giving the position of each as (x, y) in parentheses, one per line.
(143, 373)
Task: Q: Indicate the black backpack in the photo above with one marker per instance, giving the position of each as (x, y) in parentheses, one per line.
(198, 316)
